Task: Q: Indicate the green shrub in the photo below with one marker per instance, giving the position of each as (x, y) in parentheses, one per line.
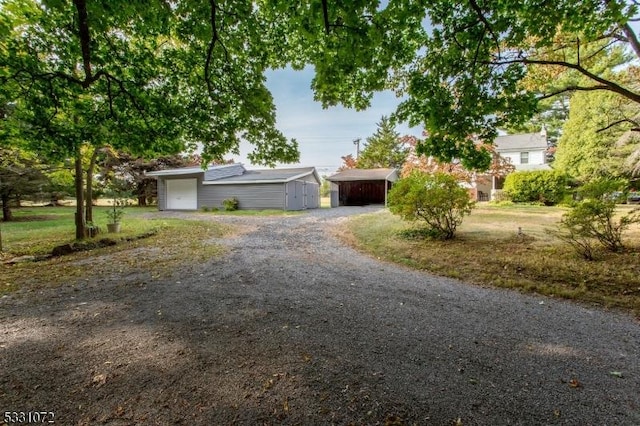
(604, 189)
(230, 204)
(205, 209)
(541, 186)
(591, 223)
(435, 199)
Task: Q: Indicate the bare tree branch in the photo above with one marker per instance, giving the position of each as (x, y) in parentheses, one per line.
(477, 52)
(574, 89)
(610, 85)
(212, 44)
(603, 48)
(325, 14)
(632, 38)
(215, 39)
(617, 122)
(487, 25)
(85, 40)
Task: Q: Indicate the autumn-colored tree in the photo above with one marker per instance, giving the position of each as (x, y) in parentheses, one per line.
(348, 162)
(499, 166)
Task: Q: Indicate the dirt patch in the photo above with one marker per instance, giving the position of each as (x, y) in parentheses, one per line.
(94, 244)
(290, 326)
(33, 218)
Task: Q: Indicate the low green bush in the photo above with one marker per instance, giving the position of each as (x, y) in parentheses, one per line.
(592, 224)
(437, 200)
(231, 204)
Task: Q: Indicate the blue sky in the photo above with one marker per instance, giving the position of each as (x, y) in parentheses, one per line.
(324, 135)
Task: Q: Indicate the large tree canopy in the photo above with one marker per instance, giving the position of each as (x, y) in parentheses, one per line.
(487, 63)
(588, 147)
(156, 74)
(467, 68)
(464, 68)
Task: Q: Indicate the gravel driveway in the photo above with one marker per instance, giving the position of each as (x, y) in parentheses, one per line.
(292, 327)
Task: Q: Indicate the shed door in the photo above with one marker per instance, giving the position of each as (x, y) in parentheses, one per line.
(311, 195)
(182, 194)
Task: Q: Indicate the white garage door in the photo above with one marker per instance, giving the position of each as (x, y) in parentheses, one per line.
(182, 194)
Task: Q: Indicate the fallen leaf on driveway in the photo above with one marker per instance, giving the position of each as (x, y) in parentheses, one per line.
(574, 383)
(99, 380)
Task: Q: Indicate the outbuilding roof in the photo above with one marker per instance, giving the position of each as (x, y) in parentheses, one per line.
(364, 174)
(267, 176)
(521, 142)
(236, 174)
(190, 170)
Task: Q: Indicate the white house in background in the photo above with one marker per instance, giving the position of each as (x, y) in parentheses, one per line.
(526, 151)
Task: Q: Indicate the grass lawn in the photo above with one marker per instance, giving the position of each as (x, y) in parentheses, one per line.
(176, 243)
(488, 251)
(36, 230)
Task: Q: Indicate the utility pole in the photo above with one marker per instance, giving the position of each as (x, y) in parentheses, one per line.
(356, 142)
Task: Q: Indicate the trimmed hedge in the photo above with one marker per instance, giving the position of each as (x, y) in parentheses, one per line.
(547, 187)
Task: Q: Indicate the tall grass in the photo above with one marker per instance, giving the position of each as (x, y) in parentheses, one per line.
(507, 247)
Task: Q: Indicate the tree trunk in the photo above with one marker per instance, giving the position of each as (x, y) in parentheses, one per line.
(141, 192)
(81, 229)
(6, 209)
(89, 186)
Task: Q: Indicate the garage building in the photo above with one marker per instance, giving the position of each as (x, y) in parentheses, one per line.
(193, 188)
(359, 187)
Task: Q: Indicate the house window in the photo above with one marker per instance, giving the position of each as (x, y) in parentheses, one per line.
(524, 158)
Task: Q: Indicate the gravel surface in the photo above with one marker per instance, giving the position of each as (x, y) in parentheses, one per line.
(292, 327)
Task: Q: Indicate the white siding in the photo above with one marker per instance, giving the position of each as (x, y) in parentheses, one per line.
(182, 194)
(536, 157)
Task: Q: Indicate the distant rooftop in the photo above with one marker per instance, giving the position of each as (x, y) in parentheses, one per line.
(361, 174)
(521, 142)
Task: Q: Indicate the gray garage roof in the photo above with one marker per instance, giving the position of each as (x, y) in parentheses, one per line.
(210, 173)
(351, 175)
(267, 176)
(236, 174)
(521, 142)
